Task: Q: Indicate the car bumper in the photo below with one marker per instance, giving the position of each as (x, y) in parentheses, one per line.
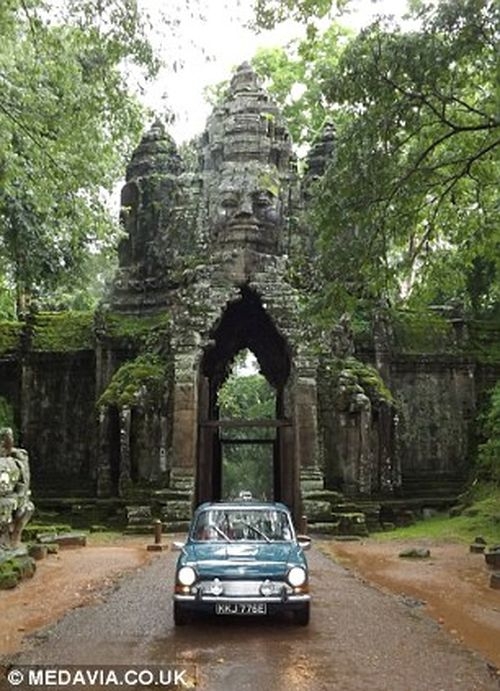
(274, 604)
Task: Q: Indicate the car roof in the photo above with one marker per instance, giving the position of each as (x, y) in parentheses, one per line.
(242, 504)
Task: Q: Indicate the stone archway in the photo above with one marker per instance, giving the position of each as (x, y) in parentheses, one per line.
(245, 324)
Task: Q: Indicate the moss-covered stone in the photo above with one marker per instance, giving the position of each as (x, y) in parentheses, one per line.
(361, 374)
(34, 530)
(10, 336)
(317, 510)
(62, 332)
(16, 569)
(137, 382)
(6, 414)
(24, 566)
(8, 579)
(131, 327)
(422, 332)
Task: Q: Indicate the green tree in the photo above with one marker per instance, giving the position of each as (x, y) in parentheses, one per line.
(409, 206)
(488, 457)
(269, 13)
(67, 124)
(247, 466)
(295, 76)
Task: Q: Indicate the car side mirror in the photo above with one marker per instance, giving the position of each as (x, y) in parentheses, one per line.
(304, 541)
(177, 546)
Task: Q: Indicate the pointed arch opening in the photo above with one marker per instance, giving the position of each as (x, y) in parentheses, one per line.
(247, 462)
(245, 326)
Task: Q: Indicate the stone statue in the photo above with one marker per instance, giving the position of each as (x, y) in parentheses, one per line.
(248, 171)
(16, 507)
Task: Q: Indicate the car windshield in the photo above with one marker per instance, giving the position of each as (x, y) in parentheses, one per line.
(243, 524)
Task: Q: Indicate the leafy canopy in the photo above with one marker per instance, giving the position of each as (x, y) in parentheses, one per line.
(67, 123)
(410, 205)
(408, 208)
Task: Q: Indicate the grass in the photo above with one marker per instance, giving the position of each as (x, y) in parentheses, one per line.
(480, 517)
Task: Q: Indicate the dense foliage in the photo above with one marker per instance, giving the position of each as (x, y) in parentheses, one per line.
(247, 466)
(488, 461)
(67, 124)
(408, 209)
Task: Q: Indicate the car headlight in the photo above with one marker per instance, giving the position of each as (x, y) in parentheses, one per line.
(186, 575)
(296, 576)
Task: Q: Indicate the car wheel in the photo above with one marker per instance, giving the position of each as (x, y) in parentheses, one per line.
(301, 616)
(181, 616)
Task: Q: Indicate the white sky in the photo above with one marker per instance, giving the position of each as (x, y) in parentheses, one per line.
(208, 43)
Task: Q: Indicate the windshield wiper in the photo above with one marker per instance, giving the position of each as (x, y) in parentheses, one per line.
(221, 533)
(259, 532)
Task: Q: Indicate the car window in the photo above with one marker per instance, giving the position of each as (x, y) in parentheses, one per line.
(242, 524)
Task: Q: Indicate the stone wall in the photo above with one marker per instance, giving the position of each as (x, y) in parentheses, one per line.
(436, 403)
(58, 421)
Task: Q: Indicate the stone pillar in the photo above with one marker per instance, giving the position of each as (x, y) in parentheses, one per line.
(185, 413)
(125, 480)
(306, 422)
(104, 485)
(310, 476)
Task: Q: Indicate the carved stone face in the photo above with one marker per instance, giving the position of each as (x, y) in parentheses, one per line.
(246, 211)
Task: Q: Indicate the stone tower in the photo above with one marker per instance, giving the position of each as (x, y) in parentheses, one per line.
(210, 249)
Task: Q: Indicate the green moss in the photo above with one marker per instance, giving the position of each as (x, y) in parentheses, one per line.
(484, 341)
(61, 332)
(10, 336)
(269, 182)
(137, 382)
(364, 375)
(8, 579)
(6, 413)
(422, 332)
(488, 457)
(132, 327)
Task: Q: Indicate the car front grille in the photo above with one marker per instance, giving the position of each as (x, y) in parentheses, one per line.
(238, 588)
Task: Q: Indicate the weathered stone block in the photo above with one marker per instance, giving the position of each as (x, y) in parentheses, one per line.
(388, 525)
(477, 548)
(415, 553)
(317, 510)
(333, 498)
(177, 511)
(138, 514)
(8, 580)
(324, 528)
(25, 567)
(176, 526)
(351, 523)
(38, 552)
(493, 559)
(495, 580)
(64, 540)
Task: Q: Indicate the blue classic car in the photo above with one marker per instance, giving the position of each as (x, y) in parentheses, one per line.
(242, 558)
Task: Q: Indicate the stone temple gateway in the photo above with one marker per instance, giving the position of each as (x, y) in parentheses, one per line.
(120, 407)
(233, 222)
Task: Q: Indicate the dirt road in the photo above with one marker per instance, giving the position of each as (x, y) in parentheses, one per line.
(359, 638)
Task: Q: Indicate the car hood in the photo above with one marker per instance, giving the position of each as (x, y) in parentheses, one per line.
(236, 560)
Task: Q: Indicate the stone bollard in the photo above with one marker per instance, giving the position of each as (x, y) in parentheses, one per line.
(477, 548)
(495, 580)
(157, 546)
(493, 559)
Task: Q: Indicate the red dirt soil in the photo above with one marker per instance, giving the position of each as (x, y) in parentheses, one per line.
(453, 584)
(72, 578)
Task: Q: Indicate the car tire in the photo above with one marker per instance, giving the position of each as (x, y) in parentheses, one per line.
(301, 616)
(181, 616)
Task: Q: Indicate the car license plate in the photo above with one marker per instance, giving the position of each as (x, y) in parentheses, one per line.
(244, 608)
